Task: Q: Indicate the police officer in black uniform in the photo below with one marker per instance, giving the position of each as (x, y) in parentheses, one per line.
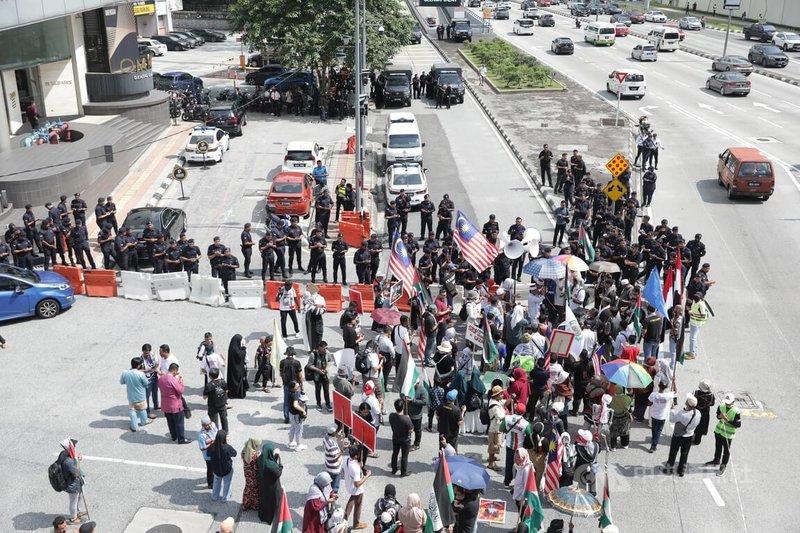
(63, 212)
(403, 205)
(266, 247)
(111, 210)
(183, 242)
(491, 226)
(279, 238)
(349, 198)
(323, 207)
(317, 245)
(425, 266)
(106, 242)
(648, 186)
(426, 209)
(411, 246)
(362, 260)
(159, 257)
(247, 249)
(226, 266)
(130, 250)
(390, 215)
(100, 212)
(294, 241)
(698, 249)
(339, 248)
(52, 213)
(445, 216)
(61, 239)
(516, 231)
(29, 220)
(23, 251)
(190, 257)
(47, 238)
(215, 252)
(5, 252)
(150, 237)
(172, 256)
(121, 250)
(432, 245)
(80, 243)
(375, 248)
(78, 207)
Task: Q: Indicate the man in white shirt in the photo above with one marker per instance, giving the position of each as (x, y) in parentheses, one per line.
(165, 359)
(660, 403)
(354, 478)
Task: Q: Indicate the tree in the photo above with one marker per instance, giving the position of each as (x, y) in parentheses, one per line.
(310, 33)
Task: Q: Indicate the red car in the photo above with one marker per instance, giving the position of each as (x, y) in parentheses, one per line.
(544, 3)
(677, 27)
(290, 194)
(621, 30)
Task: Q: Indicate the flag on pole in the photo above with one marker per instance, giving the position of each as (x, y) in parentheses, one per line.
(654, 293)
(278, 345)
(637, 316)
(411, 378)
(678, 281)
(596, 360)
(555, 453)
(400, 265)
(283, 524)
(532, 512)
(669, 288)
(605, 517)
(586, 244)
(440, 503)
(478, 252)
(490, 352)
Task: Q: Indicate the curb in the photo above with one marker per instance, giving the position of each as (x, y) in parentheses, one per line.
(159, 194)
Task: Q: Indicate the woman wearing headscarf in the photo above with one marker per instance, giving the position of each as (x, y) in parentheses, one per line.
(523, 468)
(250, 453)
(412, 517)
(705, 401)
(516, 327)
(269, 482)
(320, 494)
(473, 402)
(518, 390)
(221, 454)
(237, 368)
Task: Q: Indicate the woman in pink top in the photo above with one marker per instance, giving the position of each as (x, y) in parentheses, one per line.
(171, 387)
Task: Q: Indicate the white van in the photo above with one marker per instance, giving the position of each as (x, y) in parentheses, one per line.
(634, 83)
(664, 39)
(403, 141)
(600, 33)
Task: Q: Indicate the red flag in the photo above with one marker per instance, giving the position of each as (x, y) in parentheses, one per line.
(669, 289)
(679, 277)
(596, 362)
(555, 453)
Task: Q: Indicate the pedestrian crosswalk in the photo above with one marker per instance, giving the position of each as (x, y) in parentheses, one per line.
(419, 57)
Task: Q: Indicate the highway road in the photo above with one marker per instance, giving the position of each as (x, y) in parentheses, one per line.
(752, 247)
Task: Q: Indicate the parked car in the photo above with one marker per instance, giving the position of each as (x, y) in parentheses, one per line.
(732, 64)
(786, 40)
(523, 27)
(290, 194)
(26, 293)
(729, 83)
(767, 55)
(211, 36)
(621, 18)
(156, 48)
(547, 20)
(562, 45)
(262, 60)
(181, 81)
(431, 22)
(168, 221)
(193, 39)
(258, 77)
(474, 3)
(621, 30)
(644, 52)
(544, 3)
(229, 118)
(172, 42)
(762, 32)
(613, 9)
(690, 23)
(655, 16)
(218, 142)
(681, 33)
(298, 78)
(636, 16)
(302, 156)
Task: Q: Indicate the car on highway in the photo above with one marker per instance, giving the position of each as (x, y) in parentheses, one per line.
(302, 156)
(621, 30)
(168, 221)
(579, 10)
(25, 293)
(621, 18)
(729, 83)
(211, 36)
(228, 117)
(155, 47)
(502, 13)
(636, 16)
(531, 12)
(762, 32)
(746, 172)
(217, 140)
(491, 6)
(644, 52)
(681, 33)
(523, 27)
(474, 3)
(767, 55)
(655, 16)
(431, 22)
(690, 23)
(613, 9)
(290, 194)
(547, 20)
(408, 177)
(786, 40)
(258, 77)
(732, 64)
(416, 34)
(544, 3)
(173, 42)
(180, 81)
(503, 4)
(562, 45)
(632, 84)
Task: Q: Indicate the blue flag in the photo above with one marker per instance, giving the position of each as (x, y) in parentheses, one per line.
(654, 294)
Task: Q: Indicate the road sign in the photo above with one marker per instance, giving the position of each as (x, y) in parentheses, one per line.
(202, 146)
(621, 76)
(179, 173)
(617, 165)
(615, 190)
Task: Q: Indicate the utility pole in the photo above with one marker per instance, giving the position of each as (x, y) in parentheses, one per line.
(359, 164)
(727, 33)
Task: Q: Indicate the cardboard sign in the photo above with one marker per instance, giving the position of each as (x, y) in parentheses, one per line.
(492, 511)
(364, 432)
(342, 409)
(474, 334)
(355, 296)
(395, 292)
(345, 357)
(560, 342)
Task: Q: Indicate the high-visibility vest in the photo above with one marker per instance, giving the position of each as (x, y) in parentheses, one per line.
(698, 313)
(341, 191)
(726, 429)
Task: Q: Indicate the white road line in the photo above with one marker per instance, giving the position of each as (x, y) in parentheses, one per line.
(791, 104)
(679, 82)
(142, 463)
(761, 93)
(714, 492)
(770, 122)
(736, 107)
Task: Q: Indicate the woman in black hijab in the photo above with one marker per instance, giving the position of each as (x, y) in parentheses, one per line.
(269, 482)
(237, 368)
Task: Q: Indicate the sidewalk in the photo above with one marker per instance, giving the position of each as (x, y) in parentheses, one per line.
(342, 165)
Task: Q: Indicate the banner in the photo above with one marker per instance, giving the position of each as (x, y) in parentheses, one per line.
(364, 432)
(342, 409)
(355, 296)
(395, 292)
(492, 511)
(474, 334)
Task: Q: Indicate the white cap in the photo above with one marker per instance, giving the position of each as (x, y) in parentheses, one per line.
(729, 398)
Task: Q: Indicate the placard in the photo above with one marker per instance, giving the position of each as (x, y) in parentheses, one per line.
(364, 432)
(345, 357)
(560, 342)
(355, 296)
(395, 292)
(474, 334)
(342, 409)
(491, 511)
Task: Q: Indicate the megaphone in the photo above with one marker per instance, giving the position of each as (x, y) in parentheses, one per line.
(503, 238)
(514, 249)
(531, 234)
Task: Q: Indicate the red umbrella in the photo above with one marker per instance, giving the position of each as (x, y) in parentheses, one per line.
(386, 316)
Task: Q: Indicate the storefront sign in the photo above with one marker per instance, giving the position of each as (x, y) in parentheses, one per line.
(104, 87)
(144, 7)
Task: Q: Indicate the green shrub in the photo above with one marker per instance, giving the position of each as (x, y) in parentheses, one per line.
(508, 66)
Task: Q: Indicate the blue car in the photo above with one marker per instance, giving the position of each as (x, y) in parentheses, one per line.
(181, 81)
(289, 78)
(33, 292)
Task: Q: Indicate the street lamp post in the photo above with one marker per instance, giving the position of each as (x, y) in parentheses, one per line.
(727, 33)
(359, 163)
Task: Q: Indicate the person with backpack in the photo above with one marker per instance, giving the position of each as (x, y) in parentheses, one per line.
(66, 476)
(287, 304)
(291, 371)
(216, 393)
(263, 363)
(318, 365)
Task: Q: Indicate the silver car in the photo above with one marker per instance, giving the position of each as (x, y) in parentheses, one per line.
(644, 52)
(729, 83)
(732, 64)
(690, 23)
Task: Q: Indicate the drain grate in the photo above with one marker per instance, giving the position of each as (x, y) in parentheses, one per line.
(744, 400)
(164, 528)
(613, 122)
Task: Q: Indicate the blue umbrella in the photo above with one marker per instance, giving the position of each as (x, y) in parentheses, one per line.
(467, 473)
(545, 268)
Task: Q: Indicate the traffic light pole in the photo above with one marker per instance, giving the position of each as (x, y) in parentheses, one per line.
(359, 164)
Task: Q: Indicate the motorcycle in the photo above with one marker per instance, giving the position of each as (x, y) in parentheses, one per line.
(578, 23)
(195, 111)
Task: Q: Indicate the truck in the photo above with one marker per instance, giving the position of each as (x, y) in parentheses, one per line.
(460, 30)
(449, 75)
(398, 85)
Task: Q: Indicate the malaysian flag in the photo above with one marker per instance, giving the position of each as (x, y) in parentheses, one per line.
(555, 453)
(479, 252)
(400, 265)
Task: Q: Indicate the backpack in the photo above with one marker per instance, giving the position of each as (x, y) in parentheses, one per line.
(462, 314)
(56, 476)
(363, 364)
(484, 415)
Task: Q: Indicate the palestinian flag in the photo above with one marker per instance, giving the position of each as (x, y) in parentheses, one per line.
(489, 347)
(284, 522)
(637, 316)
(605, 517)
(411, 378)
(532, 514)
(440, 503)
(586, 244)
(422, 295)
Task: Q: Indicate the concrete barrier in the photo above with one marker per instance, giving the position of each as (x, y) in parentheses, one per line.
(171, 286)
(207, 291)
(246, 294)
(137, 286)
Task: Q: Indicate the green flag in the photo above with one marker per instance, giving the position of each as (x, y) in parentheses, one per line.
(637, 320)
(586, 244)
(489, 347)
(283, 522)
(532, 512)
(605, 517)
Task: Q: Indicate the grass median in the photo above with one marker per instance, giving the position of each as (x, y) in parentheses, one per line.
(508, 68)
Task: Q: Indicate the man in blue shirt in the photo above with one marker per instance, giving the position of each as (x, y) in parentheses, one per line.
(136, 384)
(320, 174)
(562, 219)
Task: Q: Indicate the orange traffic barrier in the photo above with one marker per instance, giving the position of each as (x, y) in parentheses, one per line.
(367, 296)
(351, 144)
(403, 303)
(332, 293)
(101, 283)
(350, 216)
(271, 293)
(351, 233)
(74, 276)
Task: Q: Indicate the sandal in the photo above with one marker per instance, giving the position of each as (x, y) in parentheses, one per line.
(74, 522)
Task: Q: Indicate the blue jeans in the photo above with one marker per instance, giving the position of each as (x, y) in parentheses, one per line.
(694, 331)
(138, 418)
(152, 392)
(221, 490)
(656, 427)
(650, 348)
(430, 347)
(285, 402)
(673, 345)
(335, 480)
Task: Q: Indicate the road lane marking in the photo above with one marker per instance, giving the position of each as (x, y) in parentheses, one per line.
(715, 495)
(770, 122)
(735, 107)
(143, 463)
(762, 93)
(791, 104)
(765, 106)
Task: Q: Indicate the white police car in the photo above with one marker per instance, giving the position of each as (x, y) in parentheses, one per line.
(408, 177)
(215, 140)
